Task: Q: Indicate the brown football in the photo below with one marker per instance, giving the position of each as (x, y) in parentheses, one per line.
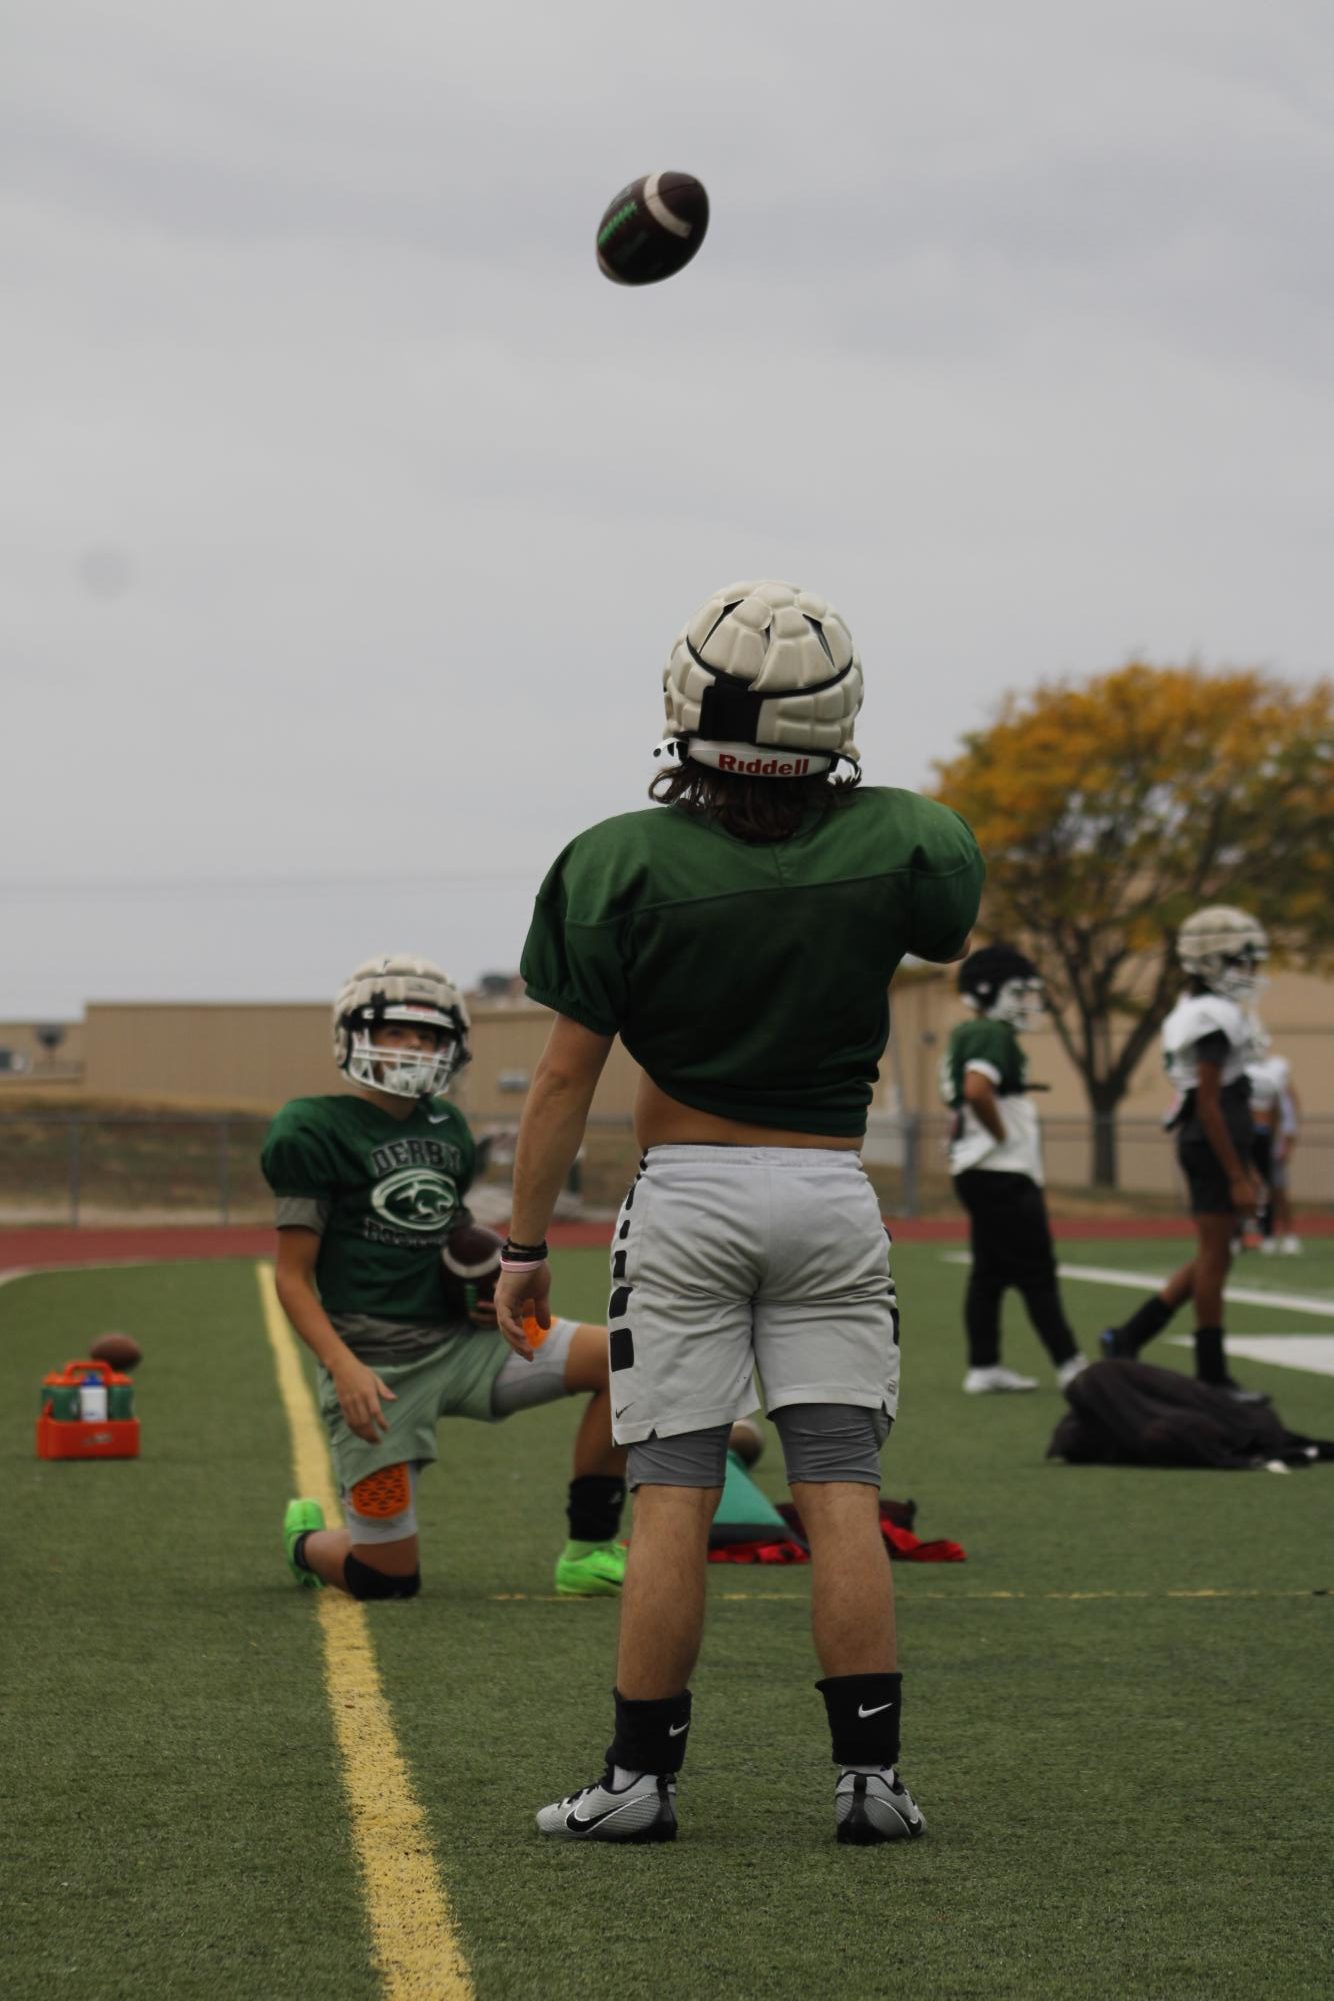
(122, 1351)
(472, 1252)
(652, 229)
(746, 1440)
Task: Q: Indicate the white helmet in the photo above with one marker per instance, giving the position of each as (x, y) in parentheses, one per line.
(764, 668)
(399, 988)
(1225, 948)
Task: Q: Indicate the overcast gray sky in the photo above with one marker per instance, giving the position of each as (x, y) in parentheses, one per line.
(348, 514)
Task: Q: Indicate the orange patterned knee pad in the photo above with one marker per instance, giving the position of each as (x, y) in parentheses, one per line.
(382, 1495)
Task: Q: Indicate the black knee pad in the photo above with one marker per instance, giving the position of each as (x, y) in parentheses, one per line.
(363, 1582)
(830, 1442)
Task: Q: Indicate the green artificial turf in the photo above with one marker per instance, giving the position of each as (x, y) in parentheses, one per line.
(1128, 1789)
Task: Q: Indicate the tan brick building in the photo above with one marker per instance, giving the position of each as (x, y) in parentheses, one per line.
(252, 1057)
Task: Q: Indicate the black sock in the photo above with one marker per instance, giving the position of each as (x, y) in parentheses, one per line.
(863, 1711)
(1209, 1364)
(299, 1551)
(594, 1507)
(1143, 1324)
(650, 1736)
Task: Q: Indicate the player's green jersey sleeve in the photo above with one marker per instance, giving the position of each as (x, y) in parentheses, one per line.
(947, 873)
(576, 953)
(297, 1157)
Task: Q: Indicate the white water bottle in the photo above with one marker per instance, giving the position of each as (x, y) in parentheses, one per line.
(93, 1400)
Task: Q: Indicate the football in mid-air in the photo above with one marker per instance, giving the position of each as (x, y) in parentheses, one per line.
(119, 1351)
(652, 229)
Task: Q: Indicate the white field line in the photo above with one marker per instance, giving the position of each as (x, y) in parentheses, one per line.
(1286, 1351)
(1139, 1281)
(110, 1264)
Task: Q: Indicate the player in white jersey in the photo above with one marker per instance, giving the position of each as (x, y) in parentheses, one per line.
(1207, 1040)
(1274, 1134)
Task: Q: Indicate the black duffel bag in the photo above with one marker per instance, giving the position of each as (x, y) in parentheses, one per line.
(1131, 1414)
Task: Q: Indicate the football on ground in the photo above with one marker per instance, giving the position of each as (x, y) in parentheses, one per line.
(118, 1351)
(652, 228)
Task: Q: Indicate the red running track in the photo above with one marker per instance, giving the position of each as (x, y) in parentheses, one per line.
(37, 1249)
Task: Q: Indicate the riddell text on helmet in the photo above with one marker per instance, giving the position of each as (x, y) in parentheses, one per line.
(765, 767)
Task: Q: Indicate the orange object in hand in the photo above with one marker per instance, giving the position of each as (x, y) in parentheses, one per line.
(536, 1335)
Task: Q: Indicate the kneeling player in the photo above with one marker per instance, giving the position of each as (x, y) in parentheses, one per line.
(369, 1186)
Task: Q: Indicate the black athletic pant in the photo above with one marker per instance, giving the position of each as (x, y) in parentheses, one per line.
(1011, 1241)
(1262, 1157)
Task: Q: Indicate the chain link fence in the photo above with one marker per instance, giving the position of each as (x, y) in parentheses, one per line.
(73, 1167)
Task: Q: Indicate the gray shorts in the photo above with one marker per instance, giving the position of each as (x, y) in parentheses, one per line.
(728, 1259)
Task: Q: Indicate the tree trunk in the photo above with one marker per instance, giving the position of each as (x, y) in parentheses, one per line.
(1104, 1095)
(1104, 1149)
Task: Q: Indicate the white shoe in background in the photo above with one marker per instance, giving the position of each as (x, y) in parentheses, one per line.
(983, 1382)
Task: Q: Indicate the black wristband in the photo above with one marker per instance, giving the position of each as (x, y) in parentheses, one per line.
(528, 1253)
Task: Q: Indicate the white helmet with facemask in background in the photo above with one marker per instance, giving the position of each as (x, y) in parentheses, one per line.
(1003, 984)
(400, 988)
(764, 682)
(1224, 948)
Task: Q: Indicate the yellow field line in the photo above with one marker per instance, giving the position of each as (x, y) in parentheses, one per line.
(417, 1948)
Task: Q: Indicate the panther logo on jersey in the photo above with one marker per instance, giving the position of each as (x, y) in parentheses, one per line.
(416, 1198)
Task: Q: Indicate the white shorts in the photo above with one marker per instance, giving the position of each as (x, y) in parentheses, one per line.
(733, 1258)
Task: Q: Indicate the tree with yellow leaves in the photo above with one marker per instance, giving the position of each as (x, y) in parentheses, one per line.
(1111, 808)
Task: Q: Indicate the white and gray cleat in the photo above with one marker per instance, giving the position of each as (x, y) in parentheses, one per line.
(876, 1806)
(990, 1381)
(642, 1810)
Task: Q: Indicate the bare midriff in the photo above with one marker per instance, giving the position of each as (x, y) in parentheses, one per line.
(663, 1121)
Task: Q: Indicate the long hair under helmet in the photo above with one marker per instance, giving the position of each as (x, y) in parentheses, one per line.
(400, 988)
(764, 681)
(1225, 949)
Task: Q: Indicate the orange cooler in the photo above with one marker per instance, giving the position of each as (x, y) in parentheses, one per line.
(63, 1429)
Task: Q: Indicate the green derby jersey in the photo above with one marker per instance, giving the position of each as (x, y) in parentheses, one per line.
(993, 1048)
(383, 1193)
(750, 979)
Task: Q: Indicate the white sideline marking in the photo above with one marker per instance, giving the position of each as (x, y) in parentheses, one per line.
(1244, 1295)
(38, 1271)
(1286, 1351)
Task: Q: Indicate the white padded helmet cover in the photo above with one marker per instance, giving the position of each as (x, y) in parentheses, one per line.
(1211, 939)
(399, 987)
(769, 664)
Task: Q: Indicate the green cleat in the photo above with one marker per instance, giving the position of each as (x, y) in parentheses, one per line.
(590, 1570)
(300, 1516)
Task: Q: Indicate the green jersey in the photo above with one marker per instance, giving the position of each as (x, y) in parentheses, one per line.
(750, 979)
(383, 1192)
(993, 1048)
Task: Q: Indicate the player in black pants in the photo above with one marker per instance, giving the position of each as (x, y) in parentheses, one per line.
(996, 1164)
(1207, 1041)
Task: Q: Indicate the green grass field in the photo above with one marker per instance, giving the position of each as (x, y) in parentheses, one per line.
(1117, 1719)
